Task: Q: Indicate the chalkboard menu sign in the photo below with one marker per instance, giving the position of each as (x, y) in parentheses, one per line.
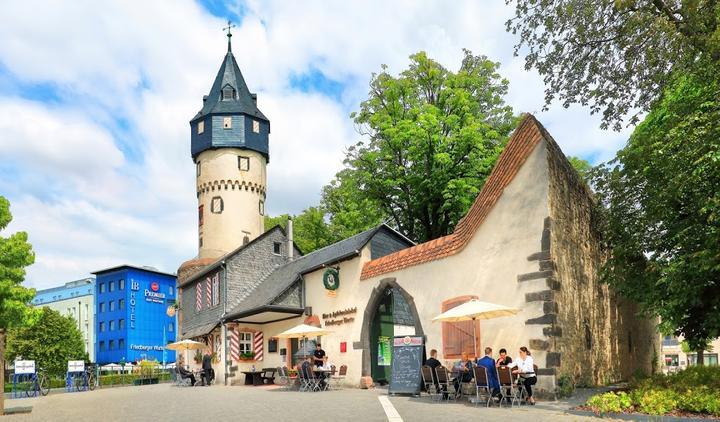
(402, 315)
(407, 358)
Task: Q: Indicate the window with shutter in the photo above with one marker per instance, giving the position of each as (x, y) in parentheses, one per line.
(457, 337)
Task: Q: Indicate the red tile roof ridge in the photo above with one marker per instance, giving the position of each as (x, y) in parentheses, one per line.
(522, 142)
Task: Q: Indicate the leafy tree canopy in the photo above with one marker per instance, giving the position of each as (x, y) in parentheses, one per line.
(583, 167)
(432, 136)
(661, 197)
(310, 231)
(51, 341)
(615, 55)
(15, 254)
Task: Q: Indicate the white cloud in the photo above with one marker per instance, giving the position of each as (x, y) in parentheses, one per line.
(114, 149)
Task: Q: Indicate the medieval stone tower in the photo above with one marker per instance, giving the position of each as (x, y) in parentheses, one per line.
(229, 145)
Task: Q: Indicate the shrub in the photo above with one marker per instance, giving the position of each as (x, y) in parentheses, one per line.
(657, 402)
(700, 400)
(566, 385)
(610, 402)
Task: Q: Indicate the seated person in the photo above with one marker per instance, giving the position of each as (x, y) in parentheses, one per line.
(463, 370)
(504, 359)
(184, 373)
(488, 363)
(433, 363)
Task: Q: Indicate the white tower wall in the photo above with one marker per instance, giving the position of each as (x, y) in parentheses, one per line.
(230, 199)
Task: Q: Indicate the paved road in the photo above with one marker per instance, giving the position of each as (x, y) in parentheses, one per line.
(168, 403)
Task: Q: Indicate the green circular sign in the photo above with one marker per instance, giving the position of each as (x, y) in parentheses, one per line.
(331, 279)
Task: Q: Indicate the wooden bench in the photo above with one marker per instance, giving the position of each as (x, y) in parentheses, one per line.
(268, 375)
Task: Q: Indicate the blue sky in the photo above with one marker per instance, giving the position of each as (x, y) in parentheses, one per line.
(95, 103)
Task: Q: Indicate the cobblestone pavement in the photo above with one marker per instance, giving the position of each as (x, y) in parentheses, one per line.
(168, 403)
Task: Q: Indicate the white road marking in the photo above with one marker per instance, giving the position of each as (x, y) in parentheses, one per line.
(390, 412)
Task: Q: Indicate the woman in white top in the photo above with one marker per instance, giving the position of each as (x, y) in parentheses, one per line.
(526, 371)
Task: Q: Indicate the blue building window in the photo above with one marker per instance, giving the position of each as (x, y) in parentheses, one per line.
(111, 286)
(121, 344)
(102, 346)
(112, 326)
(172, 290)
(102, 287)
(121, 324)
(121, 304)
(111, 345)
(102, 326)
(112, 305)
(121, 284)
(101, 307)
(171, 327)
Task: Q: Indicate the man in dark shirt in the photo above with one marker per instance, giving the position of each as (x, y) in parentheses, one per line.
(208, 373)
(504, 359)
(433, 363)
(319, 355)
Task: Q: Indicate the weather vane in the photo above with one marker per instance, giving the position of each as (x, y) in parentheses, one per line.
(229, 34)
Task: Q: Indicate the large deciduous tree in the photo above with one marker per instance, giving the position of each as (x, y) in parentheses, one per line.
(51, 342)
(661, 198)
(614, 55)
(15, 254)
(310, 230)
(431, 137)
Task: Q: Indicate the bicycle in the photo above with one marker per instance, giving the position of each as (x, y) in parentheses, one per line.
(87, 379)
(39, 383)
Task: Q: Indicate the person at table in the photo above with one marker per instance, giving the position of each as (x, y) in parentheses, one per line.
(208, 373)
(504, 359)
(488, 363)
(525, 369)
(464, 372)
(184, 373)
(319, 355)
(433, 363)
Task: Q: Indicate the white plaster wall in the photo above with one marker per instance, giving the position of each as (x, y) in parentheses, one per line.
(222, 233)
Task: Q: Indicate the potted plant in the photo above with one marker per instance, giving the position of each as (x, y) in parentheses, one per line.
(198, 357)
(246, 356)
(147, 373)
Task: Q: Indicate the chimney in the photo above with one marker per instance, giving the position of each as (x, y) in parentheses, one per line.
(291, 248)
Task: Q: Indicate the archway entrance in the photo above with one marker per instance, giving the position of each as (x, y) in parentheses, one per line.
(390, 312)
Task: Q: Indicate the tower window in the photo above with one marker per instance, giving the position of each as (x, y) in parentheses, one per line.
(261, 207)
(244, 163)
(246, 240)
(200, 215)
(227, 122)
(256, 126)
(228, 93)
(198, 169)
(276, 248)
(200, 242)
(201, 127)
(216, 205)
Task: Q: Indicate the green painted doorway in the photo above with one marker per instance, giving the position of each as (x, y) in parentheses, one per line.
(381, 335)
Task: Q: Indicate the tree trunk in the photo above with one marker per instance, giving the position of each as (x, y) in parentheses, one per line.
(700, 357)
(2, 378)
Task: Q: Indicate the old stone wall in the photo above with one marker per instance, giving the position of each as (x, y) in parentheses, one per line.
(595, 336)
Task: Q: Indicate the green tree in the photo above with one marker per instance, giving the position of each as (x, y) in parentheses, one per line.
(661, 202)
(310, 230)
(615, 55)
(15, 254)
(50, 342)
(583, 167)
(432, 136)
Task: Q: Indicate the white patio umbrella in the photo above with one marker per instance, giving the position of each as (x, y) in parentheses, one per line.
(473, 310)
(303, 331)
(186, 345)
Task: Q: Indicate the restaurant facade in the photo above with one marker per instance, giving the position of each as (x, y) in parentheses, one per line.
(528, 241)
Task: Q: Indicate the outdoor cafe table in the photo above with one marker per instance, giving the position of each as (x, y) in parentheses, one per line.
(253, 378)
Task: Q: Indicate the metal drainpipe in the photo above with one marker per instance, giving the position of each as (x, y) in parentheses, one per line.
(224, 324)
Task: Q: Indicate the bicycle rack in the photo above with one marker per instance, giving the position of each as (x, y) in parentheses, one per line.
(24, 378)
(72, 377)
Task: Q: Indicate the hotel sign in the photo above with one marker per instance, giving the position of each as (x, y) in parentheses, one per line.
(134, 287)
(147, 348)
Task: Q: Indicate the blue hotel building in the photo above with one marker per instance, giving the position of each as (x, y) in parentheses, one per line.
(131, 308)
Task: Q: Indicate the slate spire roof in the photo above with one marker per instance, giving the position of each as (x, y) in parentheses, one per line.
(230, 75)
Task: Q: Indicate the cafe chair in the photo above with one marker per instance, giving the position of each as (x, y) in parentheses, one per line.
(312, 380)
(302, 378)
(483, 391)
(283, 377)
(432, 389)
(508, 389)
(443, 378)
(342, 374)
